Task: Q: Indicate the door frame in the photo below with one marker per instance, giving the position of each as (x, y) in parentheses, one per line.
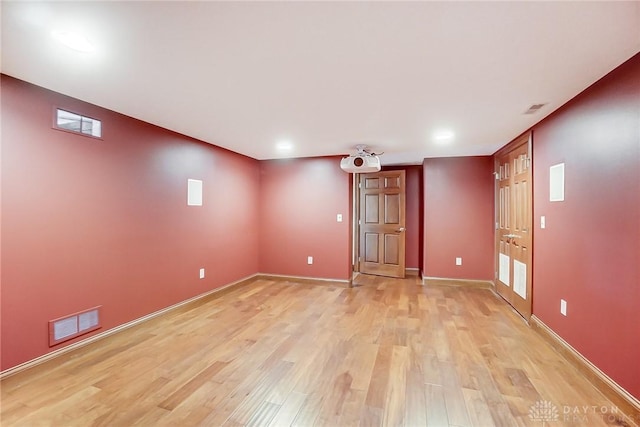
(355, 225)
(525, 138)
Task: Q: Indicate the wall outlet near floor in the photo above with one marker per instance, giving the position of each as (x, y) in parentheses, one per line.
(309, 260)
(339, 217)
(458, 261)
(202, 273)
(563, 307)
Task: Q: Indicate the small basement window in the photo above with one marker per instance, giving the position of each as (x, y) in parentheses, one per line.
(72, 122)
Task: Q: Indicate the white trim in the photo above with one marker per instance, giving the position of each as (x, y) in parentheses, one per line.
(355, 193)
(462, 282)
(59, 352)
(455, 280)
(285, 276)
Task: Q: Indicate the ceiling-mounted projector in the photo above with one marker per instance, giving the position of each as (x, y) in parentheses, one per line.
(362, 162)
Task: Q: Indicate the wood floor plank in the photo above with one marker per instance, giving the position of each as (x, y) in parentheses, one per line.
(361, 364)
(387, 352)
(259, 390)
(289, 409)
(332, 406)
(415, 403)
(457, 411)
(394, 405)
(436, 406)
(228, 404)
(376, 396)
(263, 414)
(370, 416)
(479, 411)
(195, 383)
(319, 392)
(352, 408)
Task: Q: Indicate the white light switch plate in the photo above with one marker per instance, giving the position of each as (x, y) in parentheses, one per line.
(310, 260)
(458, 261)
(563, 307)
(543, 222)
(202, 273)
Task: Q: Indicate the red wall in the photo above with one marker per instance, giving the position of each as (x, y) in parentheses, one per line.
(299, 201)
(414, 204)
(458, 217)
(89, 222)
(589, 252)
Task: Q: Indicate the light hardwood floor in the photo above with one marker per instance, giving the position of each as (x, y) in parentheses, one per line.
(386, 352)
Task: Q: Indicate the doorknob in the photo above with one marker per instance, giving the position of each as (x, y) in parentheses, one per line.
(400, 230)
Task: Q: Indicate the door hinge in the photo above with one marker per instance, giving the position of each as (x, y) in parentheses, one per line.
(359, 185)
(359, 222)
(528, 160)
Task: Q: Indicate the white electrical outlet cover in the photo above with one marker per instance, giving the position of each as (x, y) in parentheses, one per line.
(563, 307)
(310, 260)
(202, 273)
(458, 261)
(543, 222)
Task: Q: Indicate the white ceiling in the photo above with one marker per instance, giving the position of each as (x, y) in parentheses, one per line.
(325, 75)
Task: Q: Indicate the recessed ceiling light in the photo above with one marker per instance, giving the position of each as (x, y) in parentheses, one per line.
(284, 146)
(73, 41)
(443, 136)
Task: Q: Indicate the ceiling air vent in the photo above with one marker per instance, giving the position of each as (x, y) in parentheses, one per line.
(534, 108)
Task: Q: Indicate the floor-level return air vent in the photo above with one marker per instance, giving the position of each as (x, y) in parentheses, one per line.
(74, 325)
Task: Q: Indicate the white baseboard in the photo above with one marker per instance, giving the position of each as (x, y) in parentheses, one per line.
(59, 352)
(302, 278)
(445, 281)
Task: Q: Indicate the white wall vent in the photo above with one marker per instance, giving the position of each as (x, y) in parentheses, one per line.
(68, 327)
